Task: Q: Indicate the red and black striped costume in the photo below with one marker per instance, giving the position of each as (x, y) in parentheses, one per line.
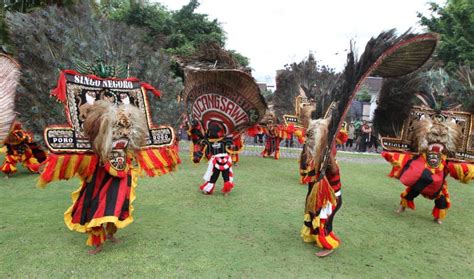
(104, 201)
(322, 203)
(421, 179)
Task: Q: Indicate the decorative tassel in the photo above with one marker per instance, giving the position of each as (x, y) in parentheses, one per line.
(60, 91)
(290, 129)
(158, 161)
(320, 195)
(464, 172)
(66, 166)
(300, 135)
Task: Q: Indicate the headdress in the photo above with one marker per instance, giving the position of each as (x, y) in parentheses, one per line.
(112, 122)
(228, 96)
(10, 75)
(387, 55)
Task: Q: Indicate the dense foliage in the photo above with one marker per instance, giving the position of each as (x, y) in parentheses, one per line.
(182, 31)
(455, 24)
(452, 83)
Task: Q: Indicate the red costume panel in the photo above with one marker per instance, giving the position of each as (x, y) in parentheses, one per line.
(422, 179)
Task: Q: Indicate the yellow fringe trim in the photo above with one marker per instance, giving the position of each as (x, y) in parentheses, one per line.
(334, 243)
(464, 178)
(316, 223)
(306, 234)
(106, 219)
(69, 173)
(307, 217)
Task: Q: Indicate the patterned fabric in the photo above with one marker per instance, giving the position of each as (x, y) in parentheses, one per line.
(421, 179)
(101, 200)
(318, 219)
(218, 164)
(20, 148)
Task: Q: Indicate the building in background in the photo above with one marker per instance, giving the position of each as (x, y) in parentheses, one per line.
(364, 110)
(262, 86)
(373, 85)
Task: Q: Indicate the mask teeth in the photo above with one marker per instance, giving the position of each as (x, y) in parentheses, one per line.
(436, 147)
(120, 144)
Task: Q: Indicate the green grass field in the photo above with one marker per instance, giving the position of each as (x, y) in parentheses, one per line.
(253, 233)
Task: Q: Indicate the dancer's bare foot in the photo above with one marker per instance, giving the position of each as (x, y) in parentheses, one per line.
(6, 176)
(96, 250)
(226, 194)
(113, 239)
(438, 221)
(401, 209)
(206, 193)
(324, 253)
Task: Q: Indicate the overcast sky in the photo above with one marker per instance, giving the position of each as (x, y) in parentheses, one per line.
(273, 33)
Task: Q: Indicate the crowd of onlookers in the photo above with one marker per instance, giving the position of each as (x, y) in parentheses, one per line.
(361, 137)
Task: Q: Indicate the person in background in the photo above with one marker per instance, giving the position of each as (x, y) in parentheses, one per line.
(351, 136)
(366, 132)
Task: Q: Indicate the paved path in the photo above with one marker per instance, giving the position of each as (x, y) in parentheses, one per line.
(285, 152)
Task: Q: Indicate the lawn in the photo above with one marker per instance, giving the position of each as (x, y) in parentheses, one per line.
(253, 233)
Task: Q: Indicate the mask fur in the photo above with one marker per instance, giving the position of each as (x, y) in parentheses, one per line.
(106, 123)
(305, 114)
(427, 132)
(316, 140)
(269, 118)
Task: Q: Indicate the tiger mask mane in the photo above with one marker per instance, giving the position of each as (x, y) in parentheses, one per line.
(114, 129)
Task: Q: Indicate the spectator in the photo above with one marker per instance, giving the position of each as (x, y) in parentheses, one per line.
(351, 136)
(366, 133)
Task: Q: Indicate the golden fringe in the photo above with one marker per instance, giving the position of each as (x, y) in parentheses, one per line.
(463, 177)
(106, 219)
(158, 161)
(66, 166)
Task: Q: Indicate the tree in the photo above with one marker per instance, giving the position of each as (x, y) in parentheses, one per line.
(443, 91)
(455, 24)
(363, 95)
(242, 60)
(27, 5)
(183, 31)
